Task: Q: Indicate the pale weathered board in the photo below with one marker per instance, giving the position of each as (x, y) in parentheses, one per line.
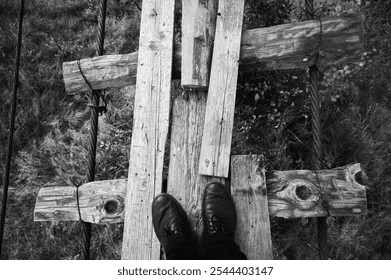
(99, 202)
(306, 193)
(291, 194)
(198, 29)
(248, 189)
(184, 182)
(150, 128)
(279, 47)
(220, 108)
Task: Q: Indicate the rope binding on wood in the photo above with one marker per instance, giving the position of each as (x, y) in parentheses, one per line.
(311, 15)
(102, 94)
(78, 203)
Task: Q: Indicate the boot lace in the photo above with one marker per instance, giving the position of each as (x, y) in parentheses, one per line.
(216, 225)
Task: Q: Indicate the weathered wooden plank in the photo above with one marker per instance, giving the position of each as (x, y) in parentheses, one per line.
(291, 194)
(248, 189)
(102, 72)
(99, 202)
(279, 47)
(217, 135)
(305, 193)
(184, 182)
(198, 29)
(337, 40)
(150, 128)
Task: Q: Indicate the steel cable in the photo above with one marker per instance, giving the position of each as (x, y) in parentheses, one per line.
(11, 126)
(93, 136)
(317, 156)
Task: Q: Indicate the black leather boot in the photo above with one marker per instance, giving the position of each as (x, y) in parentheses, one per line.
(219, 220)
(218, 211)
(172, 228)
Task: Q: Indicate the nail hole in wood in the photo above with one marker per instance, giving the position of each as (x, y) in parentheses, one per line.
(303, 192)
(111, 206)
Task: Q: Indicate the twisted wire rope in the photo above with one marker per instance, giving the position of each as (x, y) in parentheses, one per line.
(11, 126)
(93, 135)
(317, 154)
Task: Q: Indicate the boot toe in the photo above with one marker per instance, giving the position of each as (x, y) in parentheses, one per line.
(168, 217)
(218, 210)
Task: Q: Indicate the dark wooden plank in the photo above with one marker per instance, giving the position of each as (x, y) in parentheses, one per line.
(198, 29)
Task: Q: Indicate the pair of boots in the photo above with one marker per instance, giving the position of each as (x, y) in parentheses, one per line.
(219, 219)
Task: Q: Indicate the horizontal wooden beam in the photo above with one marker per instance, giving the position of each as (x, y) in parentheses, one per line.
(99, 202)
(306, 193)
(333, 41)
(291, 194)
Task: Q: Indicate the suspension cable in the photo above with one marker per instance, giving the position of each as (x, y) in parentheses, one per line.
(317, 156)
(11, 126)
(93, 136)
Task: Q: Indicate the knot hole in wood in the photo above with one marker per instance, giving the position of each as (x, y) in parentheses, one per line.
(303, 192)
(111, 206)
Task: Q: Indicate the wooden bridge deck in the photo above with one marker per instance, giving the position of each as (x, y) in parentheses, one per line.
(291, 194)
(248, 186)
(256, 198)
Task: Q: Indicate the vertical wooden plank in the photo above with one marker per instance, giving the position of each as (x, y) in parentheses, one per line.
(248, 189)
(216, 141)
(184, 182)
(150, 128)
(198, 28)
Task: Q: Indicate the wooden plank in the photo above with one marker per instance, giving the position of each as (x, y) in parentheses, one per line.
(279, 47)
(217, 135)
(306, 193)
(340, 190)
(107, 71)
(296, 45)
(150, 128)
(198, 29)
(184, 182)
(248, 188)
(100, 202)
